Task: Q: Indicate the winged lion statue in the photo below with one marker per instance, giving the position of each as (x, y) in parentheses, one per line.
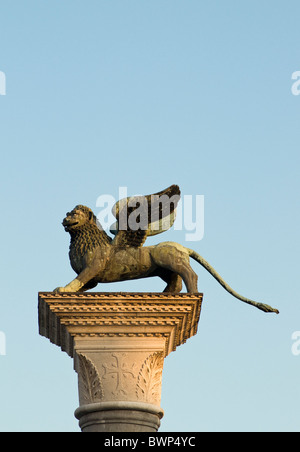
(98, 258)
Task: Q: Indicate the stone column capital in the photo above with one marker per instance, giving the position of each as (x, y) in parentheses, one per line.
(119, 342)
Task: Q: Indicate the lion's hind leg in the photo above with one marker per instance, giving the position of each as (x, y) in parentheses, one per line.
(174, 258)
(173, 280)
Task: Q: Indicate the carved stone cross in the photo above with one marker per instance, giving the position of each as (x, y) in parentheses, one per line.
(120, 371)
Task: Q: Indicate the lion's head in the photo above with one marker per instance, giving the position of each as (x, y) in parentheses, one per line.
(78, 217)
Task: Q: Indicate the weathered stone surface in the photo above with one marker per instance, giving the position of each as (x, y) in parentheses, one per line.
(65, 316)
(119, 342)
(119, 417)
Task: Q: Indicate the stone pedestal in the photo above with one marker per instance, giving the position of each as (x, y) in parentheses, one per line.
(119, 342)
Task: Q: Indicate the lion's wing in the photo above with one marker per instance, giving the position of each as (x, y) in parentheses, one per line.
(141, 216)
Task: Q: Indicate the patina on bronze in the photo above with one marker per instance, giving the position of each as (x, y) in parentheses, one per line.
(97, 258)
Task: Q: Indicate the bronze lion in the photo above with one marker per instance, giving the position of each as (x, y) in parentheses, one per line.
(97, 258)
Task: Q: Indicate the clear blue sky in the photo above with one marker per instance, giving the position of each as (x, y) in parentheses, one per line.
(102, 94)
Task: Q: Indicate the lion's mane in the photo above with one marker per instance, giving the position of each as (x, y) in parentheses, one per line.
(88, 236)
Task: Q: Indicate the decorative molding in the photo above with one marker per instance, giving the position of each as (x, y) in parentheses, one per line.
(149, 380)
(64, 317)
(89, 383)
(121, 295)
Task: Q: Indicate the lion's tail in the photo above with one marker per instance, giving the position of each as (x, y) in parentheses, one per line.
(212, 271)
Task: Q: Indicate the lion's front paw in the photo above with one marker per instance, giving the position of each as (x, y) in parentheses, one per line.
(59, 290)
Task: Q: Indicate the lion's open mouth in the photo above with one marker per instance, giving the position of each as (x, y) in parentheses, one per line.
(69, 223)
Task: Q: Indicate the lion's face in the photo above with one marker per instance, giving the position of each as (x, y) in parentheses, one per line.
(79, 216)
